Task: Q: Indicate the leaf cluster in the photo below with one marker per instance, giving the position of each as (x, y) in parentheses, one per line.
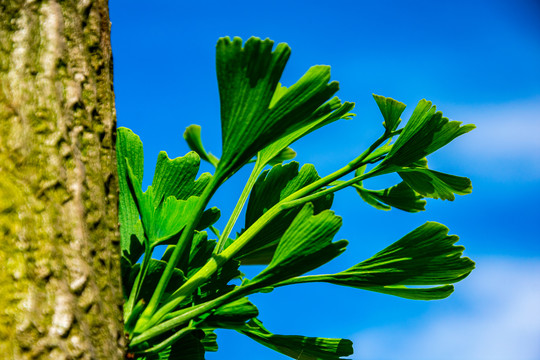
(174, 303)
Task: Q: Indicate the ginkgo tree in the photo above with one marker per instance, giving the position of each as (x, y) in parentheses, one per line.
(174, 303)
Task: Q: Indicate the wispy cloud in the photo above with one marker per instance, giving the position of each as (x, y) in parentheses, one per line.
(507, 141)
(498, 319)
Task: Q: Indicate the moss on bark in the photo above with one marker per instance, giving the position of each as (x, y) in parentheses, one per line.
(60, 276)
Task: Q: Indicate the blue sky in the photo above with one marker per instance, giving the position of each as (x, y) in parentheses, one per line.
(478, 61)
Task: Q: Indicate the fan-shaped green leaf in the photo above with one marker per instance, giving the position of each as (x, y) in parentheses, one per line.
(299, 347)
(425, 132)
(201, 251)
(391, 110)
(400, 196)
(425, 256)
(283, 155)
(177, 177)
(248, 77)
(327, 113)
(306, 245)
(128, 145)
(164, 221)
(435, 184)
(271, 187)
(171, 217)
(210, 340)
(233, 314)
(153, 274)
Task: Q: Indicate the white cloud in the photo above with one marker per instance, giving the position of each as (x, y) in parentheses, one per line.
(506, 142)
(498, 319)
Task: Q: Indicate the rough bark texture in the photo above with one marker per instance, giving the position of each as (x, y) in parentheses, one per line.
(60, 293)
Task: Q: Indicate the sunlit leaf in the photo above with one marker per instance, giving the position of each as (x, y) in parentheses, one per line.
(248, 77)
(167, 219)
(177, 177)
(192, 135)
(426, 256)
(129, 145)
(425, 132)
(208, 217)
(299, 347)
(391, 110)
(327, 113)
(283, 155)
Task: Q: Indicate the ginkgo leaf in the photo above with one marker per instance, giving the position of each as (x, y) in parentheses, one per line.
(391, 110)
(201, 251)
(177, 177)
(327, 113)
(425, 132)
(283, 155)
(189, 347)
(128, 145)
(164, 221)
(399, 196)
(435, 184)
(208, 218)
(143, 201)
(411, 293)
(210, 340)
(232, 314)
(155, 269)
(425, 256)
(248, 77)
(299, 347)
(171, 217)
(271, 187)
(306, 245)
(192, 135)
(219, 283)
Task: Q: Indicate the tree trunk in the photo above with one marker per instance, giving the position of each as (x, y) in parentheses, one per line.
(60, 291)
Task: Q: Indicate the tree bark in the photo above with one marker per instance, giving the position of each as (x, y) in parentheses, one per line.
(60, 290)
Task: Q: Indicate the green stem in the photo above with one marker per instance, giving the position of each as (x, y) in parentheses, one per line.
(341, 185)
(167, 342)
(138, 281)
(185, 317)
(218, 260)
(211, 267)
(350, 167)
(239, 206)
(183, 245)
(302, 280)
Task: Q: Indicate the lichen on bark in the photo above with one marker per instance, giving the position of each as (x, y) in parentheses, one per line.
(60, 279)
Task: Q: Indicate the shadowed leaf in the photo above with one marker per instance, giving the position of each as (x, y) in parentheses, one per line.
(299, 347)
(271, 187)
(306, 245)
